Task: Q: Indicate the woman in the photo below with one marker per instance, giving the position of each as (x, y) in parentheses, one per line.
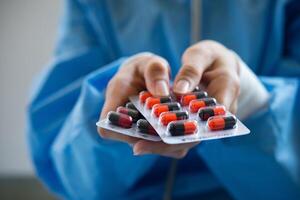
(119, 48)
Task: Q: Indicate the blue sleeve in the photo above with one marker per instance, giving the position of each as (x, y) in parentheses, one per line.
(68, 155)
(266, 163)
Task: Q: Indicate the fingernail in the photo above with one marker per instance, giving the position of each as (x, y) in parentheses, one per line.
(161, 88)
(182, 86)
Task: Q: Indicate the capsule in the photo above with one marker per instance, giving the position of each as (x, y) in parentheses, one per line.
(197, 89)
(205, 113)
(221, 122)
(167, 117)
(134, 114)
(145, 127)
(183, 128)
(178, 97)
(151, 101)
(195, 105)
(144, 95)
(130, 105)
(120, 119)
(160, 108)
(186, 99)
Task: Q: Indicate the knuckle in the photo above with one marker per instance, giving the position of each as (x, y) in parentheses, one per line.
(115, 83)
(156, 67)
(201, 48)
(193, 50)
(235, 81)
(112, 82)
(237, 86)
(190, 71)
(210, 43)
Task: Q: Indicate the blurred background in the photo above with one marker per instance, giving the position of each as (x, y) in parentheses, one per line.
(27, 38)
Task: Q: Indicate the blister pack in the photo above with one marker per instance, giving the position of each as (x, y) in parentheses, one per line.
(188, 118)
(129, 121)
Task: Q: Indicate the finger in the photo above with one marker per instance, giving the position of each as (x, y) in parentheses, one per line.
(177, 154)
(156, 73)
(233, 107)
(148, 147)
(117, 94)
(195, 61)
(224, 88)
(106, 134)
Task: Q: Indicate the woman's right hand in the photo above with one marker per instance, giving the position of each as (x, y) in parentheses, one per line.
(143, 71)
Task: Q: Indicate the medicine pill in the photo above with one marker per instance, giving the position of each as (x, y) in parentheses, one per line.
(151, 101)
(160, 108)
(221, 122)
(167, 117)
(186, 99)
(205, 113)
(144, 95)
(197, 89)
(134, 114)
(145, 127)
(120, 119)
(130, 106)
(195, 105)
(182, 128)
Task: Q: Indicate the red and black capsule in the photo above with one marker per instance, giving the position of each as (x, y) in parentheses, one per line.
(195, 105)
(130, 105)
(151, 101)
(197, 89)
(120, 119)
(143, 95)
(183, 128)
(221, 122)
(178, 97)
(187, 98)
(207, 112)
(134, 114)
(167, 117)
(145, 127)
(160, 108)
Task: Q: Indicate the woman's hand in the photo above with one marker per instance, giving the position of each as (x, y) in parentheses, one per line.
(142, 71)
(215, 67)
(207, 63)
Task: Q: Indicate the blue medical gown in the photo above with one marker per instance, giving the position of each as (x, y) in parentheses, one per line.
(96, 37)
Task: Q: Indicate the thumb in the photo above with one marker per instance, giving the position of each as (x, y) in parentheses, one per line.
(156, 74)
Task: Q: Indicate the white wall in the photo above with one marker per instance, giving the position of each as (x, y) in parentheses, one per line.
(27, 35)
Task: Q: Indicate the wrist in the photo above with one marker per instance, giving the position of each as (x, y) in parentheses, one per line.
(253, 94)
